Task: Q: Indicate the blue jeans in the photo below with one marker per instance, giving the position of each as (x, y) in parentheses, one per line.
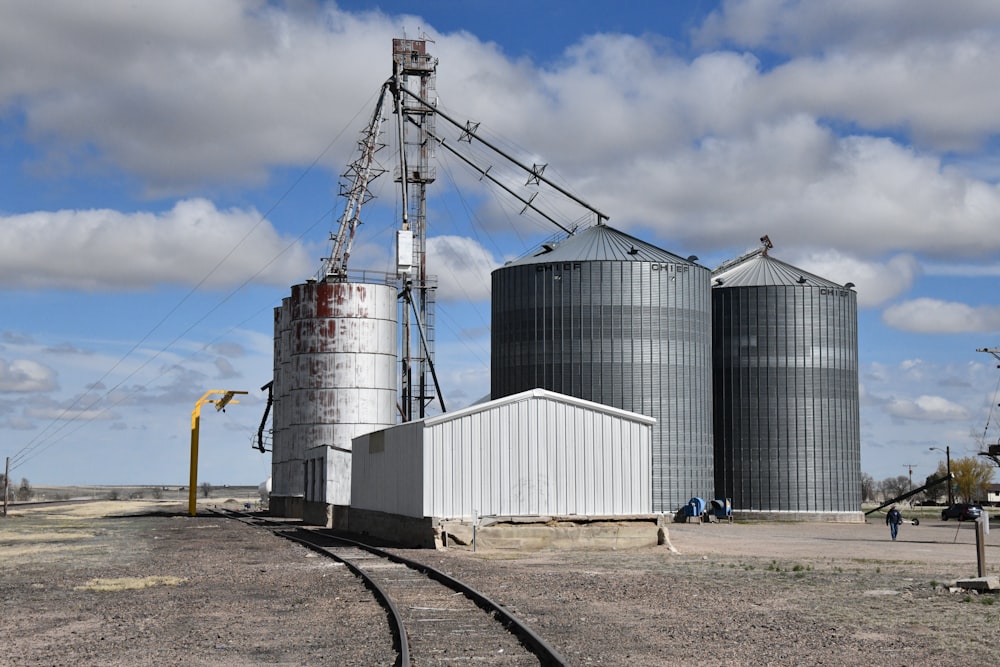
(893, 529)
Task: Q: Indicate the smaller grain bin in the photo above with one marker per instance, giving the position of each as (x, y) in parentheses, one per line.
(532, 454)
(785, 384)
(334, 377)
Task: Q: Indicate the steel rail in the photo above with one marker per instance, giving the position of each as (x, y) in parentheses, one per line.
(395, 617)
(547, 655)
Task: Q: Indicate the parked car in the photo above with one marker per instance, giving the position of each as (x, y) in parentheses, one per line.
(962, 512)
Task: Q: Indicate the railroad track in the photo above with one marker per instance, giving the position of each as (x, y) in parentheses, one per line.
(434, 617)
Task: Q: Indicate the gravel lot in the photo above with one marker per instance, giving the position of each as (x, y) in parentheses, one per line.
(139, 583)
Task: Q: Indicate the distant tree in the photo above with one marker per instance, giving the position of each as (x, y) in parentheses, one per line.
(206, 489)
(3, 485)
(972, 474)
(156, 492)
(25, 492)
(892, 487)
(867, 488)
(113, 494)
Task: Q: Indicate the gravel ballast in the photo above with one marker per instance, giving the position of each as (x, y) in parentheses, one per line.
(122, 583)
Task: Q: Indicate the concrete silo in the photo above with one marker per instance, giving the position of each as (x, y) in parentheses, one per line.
(334, 378)
(785, 360)
(608, 318)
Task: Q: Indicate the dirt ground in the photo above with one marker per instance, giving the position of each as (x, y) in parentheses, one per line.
(140, 583)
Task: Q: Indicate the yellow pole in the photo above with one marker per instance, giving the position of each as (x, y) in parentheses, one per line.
(195, 426)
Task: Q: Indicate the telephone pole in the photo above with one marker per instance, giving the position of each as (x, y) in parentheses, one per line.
(909, 466)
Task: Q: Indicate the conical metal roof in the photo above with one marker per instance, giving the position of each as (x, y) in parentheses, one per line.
(762, 270)
(600, 243)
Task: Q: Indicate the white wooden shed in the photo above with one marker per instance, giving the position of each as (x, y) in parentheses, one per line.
(537, 453)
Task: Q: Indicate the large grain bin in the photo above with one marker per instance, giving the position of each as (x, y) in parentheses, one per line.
(608, 318)
(785, 358)
(334, 378)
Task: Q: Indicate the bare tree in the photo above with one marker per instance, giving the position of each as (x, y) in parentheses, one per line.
(892, 487)
(867, 487)
(206, 489)
(25, 492)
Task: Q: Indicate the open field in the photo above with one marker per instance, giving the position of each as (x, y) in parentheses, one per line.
(177, 492)
(138, 582)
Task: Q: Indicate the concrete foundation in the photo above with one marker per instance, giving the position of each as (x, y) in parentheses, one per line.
(514, 533)
(288, 506)
(326, 515)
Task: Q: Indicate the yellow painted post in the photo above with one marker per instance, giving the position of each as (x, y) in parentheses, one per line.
(195, 427)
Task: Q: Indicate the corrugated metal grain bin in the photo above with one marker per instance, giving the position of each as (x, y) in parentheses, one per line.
(611, 319)
(785, 349)
(534, 453)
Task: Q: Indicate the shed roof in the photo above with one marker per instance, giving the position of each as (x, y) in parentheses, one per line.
(540, 394)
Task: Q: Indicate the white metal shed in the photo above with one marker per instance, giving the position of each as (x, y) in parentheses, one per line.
(537, 453)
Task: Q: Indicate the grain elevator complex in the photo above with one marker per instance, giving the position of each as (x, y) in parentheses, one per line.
(625, 380)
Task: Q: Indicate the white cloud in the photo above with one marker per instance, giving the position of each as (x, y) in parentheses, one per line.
(699, 151)
(927, 408)
(465, 268)
(25, 375)
(876, 282)
(802, 26)
(110, 250)
(926, 315)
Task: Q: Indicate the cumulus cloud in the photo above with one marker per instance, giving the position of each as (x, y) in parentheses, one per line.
(934, 316)
(927, 408)
(875, 282)
(465, 268)
(111, 250)
(803, 27)
(24, 375)
(696, 150)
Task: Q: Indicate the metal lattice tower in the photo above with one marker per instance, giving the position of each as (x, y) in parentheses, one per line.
(415, 70)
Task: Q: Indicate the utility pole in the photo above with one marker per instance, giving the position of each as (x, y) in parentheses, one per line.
(6, 485)
(909, 466)
(951, 483)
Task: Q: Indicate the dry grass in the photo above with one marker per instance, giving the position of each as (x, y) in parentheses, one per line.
(128, 583)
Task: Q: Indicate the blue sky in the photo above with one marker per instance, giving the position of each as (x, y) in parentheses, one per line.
(170, 169)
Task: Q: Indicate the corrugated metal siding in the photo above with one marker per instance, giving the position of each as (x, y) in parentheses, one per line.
(283, 466)
(787, 430)
(386, 470)
(536, 457)
(335, 363)
(522, 456)
(633, 335)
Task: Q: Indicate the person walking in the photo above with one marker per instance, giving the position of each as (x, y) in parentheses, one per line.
(893, 519)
